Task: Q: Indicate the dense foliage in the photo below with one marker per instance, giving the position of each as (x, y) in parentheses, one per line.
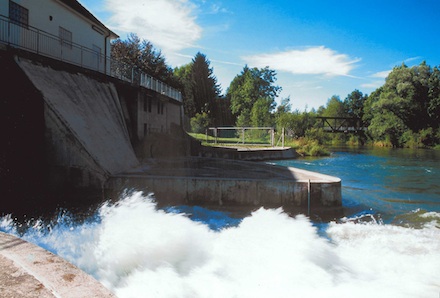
(405, 111)
(133, 55)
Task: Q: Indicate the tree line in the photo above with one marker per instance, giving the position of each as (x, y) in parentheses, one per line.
(404, 112)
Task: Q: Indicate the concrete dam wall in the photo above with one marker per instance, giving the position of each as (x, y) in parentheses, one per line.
(63, 132)
(90, 111)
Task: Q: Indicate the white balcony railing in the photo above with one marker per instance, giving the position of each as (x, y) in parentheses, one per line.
(37, 41)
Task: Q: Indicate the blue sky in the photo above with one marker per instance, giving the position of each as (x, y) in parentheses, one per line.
(318, 48)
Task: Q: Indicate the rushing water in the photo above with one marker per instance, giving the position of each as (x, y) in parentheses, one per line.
(387, 246)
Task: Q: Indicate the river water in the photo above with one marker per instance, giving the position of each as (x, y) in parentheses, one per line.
(387, 245)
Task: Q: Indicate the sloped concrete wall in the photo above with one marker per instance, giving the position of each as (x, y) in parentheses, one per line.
(88, 111)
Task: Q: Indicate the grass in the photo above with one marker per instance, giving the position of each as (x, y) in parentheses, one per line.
(309, 147)
(210, 140)
(304, 146)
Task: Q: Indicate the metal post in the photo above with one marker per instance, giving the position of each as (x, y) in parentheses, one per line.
(38, 41)
(282, 137)
(308, 198)
(243, 135)
(215, 134)
(272, 137)
(9, 33)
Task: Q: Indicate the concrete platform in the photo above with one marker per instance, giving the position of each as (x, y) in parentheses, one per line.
(247, 153)
(27, 270)
(221, 182)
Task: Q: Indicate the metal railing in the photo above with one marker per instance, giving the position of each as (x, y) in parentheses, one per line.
(43, 43)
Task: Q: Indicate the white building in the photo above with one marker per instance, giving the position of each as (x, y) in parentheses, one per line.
(62, 29)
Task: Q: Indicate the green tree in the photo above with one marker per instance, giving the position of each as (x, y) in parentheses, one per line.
(260, 113)
(295, 123)
(405, 110)
(354, 104)
(434, 98)
(405, 95)
(204, 84)
(184, 77)
(141, 55)
(199, 85)
(285, 106)
(387, 127)
(334, 108)
(370, 108)
(221, 112)
(250, 86)
(200, 122)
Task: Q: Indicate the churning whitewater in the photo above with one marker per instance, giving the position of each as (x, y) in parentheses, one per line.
(136, 250)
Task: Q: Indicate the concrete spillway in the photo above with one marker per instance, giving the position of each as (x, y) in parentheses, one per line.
(84, 141)
(89, 110)
(221, 183)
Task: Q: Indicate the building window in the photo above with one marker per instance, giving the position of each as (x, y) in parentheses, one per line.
(18, 14)
(65, 37)
(160, 106)
(145, 129)
(147, 104)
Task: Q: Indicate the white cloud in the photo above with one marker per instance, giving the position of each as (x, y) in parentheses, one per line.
(312, 60)
(376, 83)
(169, 24)
(373, 85)
(381, 74)
(413, 59)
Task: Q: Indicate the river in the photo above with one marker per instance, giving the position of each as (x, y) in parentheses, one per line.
(383, 182)
(386, 245)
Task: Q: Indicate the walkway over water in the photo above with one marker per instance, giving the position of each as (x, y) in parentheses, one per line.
(342, 124)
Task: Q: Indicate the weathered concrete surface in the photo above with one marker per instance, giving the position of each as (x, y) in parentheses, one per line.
(91, 113)
(219, 182)
(248, 153)
(27, 270)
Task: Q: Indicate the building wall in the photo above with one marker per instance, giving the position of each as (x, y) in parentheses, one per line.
(156, 114)
(49, 15)
(4, 8)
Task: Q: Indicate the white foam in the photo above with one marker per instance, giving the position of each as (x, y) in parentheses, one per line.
(138, 251)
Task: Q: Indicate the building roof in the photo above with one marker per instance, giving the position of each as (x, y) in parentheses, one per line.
(76, 6)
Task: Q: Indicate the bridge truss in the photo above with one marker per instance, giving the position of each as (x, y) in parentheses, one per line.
(342, 124)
